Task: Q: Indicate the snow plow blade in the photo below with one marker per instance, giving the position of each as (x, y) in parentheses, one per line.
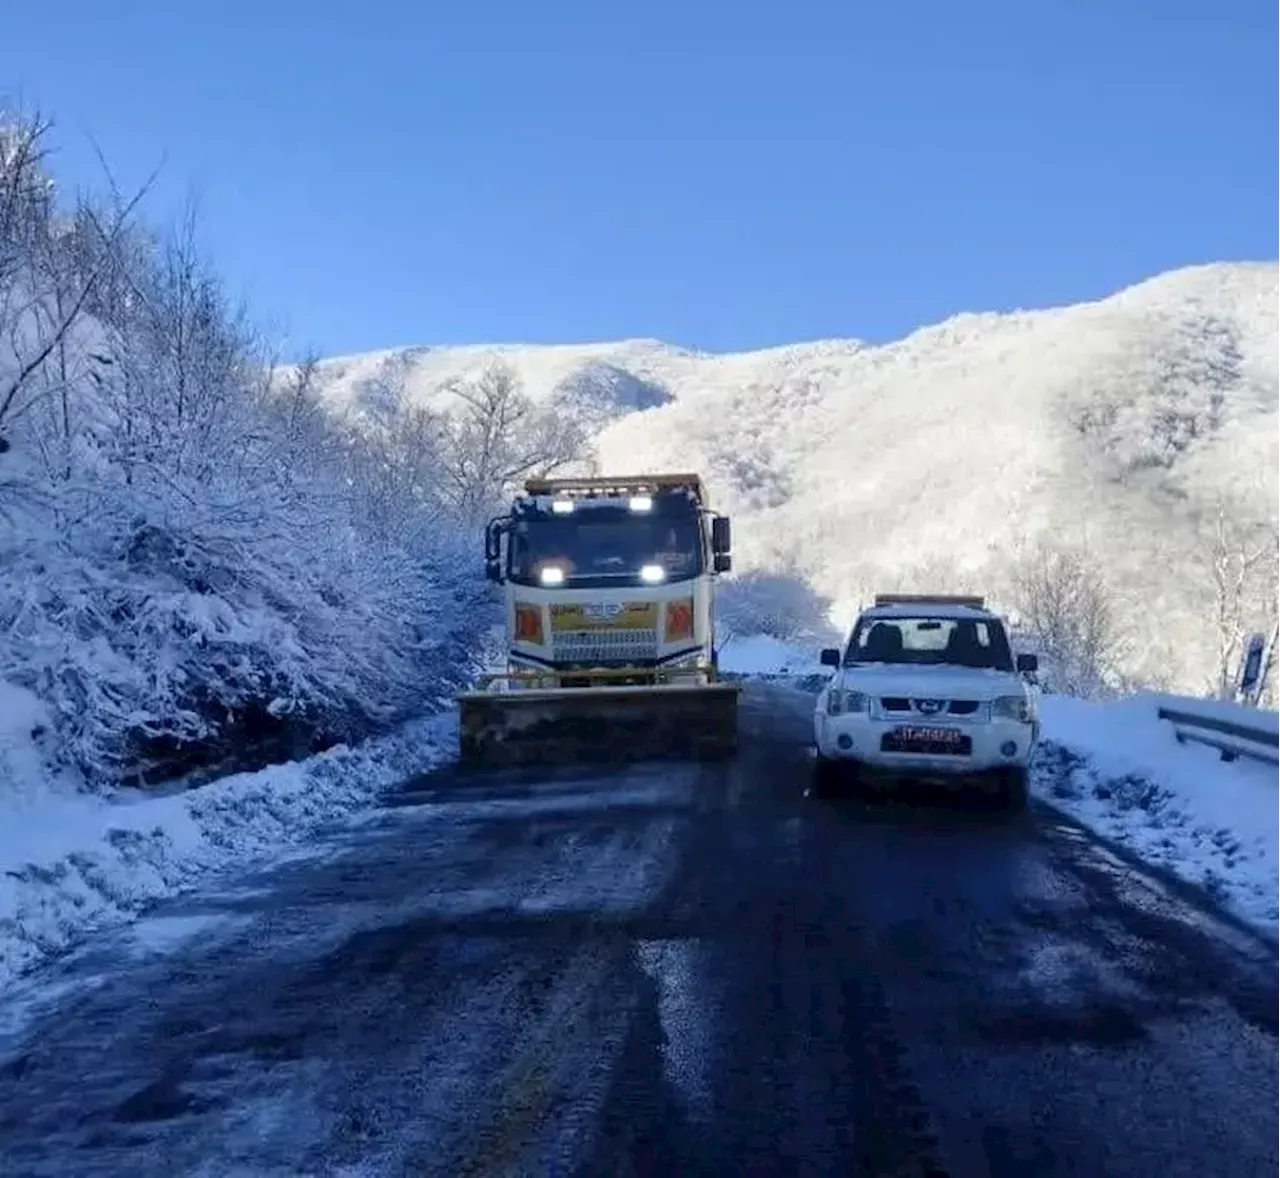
(599, 720)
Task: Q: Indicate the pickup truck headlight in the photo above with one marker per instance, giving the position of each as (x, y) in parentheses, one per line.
(1014, 707)
(840, 701)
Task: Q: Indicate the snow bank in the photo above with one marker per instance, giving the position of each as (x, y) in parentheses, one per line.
(758, 654)
(1211, 822)
(23, 725)
(72, 861)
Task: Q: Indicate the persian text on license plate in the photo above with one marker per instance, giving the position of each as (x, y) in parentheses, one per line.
(917, 734)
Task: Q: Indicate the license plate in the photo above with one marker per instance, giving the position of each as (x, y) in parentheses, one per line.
(918, 734)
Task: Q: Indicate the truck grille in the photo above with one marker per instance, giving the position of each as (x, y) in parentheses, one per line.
(617, 647)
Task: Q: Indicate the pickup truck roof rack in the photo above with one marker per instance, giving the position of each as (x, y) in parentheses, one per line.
(930, 599)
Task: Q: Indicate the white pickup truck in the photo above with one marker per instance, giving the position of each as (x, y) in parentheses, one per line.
(927, 688)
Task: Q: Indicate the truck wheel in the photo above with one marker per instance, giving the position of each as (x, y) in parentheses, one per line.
(826, 777)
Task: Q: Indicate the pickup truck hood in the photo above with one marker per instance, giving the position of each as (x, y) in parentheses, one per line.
(939, 682)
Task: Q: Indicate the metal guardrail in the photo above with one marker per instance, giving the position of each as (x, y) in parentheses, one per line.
(1230, 738)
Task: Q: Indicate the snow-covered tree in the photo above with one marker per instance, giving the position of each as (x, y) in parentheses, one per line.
(781, 605)
(197, 559)
(1061, 601)
(494, 436)
(1239, 554)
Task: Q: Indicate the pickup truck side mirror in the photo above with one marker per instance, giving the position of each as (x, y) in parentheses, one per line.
(493, 571)
(1026, 663)
(830, 657)
(722, 562)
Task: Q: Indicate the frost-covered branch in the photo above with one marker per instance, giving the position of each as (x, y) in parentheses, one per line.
(1061, 600)
(69, 310)
(1240, 555)
(497, 436)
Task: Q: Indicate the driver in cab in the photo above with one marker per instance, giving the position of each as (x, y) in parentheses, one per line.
(543, 562)
(671, 553)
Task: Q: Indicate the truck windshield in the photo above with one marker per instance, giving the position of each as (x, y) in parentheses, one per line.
(924, 641)
(598, 547)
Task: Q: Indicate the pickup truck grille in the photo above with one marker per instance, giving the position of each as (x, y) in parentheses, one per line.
(948, 707)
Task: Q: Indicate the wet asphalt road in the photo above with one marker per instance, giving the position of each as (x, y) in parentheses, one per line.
(664, 969)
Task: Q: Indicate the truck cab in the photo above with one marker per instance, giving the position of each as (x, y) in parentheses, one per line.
(610, 574)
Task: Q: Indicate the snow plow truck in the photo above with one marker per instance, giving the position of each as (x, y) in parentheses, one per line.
(608, 588)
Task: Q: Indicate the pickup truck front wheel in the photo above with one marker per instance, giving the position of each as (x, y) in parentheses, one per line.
(833, 778)
(1011, 791)
(826, 777)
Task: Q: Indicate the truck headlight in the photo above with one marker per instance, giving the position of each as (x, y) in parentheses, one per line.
(652, 574)
(846, 702)
(1014, 707)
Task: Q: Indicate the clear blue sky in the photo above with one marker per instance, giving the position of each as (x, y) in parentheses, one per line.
(720, 175)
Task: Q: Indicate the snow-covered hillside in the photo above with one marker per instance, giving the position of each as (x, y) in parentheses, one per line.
(1118, 425)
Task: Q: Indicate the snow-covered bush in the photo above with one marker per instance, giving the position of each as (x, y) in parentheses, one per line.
(1062, 603)
(196, 559)
(777, 605)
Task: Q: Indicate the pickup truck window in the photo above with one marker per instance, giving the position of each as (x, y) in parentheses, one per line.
(926, 641)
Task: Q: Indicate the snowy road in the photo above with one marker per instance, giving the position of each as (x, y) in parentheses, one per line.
(660, 970)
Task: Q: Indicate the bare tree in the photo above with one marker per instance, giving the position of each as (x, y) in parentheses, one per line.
(26, 190)
(1239, 554)
(303, 418)
(395, 473)
(1062, 602)
(496, 435)
(37, 315)
(182, 390)
(938, 573)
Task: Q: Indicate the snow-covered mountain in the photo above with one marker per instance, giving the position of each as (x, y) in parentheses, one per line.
(1117, 424)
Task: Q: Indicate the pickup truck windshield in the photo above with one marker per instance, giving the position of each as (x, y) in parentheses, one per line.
(592, 547)
(926, 641)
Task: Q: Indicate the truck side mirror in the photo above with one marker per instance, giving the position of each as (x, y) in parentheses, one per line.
(493, 538)
(1026, 663)
(721, 537)
(830, 657)
(493, 570)
(722, 562)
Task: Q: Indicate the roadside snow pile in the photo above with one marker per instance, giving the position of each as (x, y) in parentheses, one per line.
(71, 861)
(24, 759)
(1121, 771)
(758, 654)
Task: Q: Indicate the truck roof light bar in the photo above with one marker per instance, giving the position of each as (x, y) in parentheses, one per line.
(622, 486)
